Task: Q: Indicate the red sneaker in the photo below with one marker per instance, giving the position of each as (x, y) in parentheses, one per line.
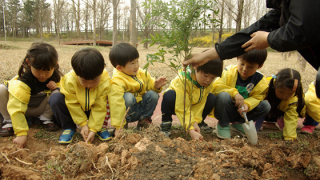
(280, 123)
(308, 129)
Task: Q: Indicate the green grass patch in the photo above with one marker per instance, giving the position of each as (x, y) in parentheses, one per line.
(275, 135)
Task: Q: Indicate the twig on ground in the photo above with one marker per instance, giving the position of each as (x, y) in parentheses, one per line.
(107, 162)
(5, 157)
(22, 161)
(95, 167)
(19, 150)
(124, 117)
(190, 173)
(225, 151)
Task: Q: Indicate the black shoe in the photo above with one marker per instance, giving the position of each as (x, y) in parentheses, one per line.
(166, 128)
(144, 123)
(205, 128)
(8, 131)
(49, 125)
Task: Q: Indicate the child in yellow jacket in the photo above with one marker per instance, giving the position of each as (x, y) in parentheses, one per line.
(83, 97)
(27, 94)
(285, 95)
(198, 91)
(241, 88)
(131, 87)
(312, 110)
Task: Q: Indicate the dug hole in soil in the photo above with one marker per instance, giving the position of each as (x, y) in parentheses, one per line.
(148, 154)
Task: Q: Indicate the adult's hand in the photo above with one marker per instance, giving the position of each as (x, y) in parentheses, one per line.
(259, 40)
(200, 59)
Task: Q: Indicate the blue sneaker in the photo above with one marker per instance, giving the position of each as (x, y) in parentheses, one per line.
(104, 135)
(67, 136)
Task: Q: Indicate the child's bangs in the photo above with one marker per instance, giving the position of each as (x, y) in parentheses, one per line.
(43, 62)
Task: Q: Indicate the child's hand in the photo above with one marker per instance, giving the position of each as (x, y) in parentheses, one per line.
(160, 82)
(239, 100)
(245, 109)
(195, 135)
(118, 132)
(90, 137)
(21, 141)
(52, 85)
(196, 127)
(85, 132)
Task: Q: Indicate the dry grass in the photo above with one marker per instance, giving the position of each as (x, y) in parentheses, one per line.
(11, 59)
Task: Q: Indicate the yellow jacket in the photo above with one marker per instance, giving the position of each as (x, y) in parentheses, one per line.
(291, 116)
(19, 97)
(138, 85)
(312, 103)
(198, 94)
(227, 83)
(79, 99)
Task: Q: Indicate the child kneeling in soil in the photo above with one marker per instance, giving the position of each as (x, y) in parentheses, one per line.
(312, 110)
(27, 94)
(131, 87)
(83, 97)
(285, 95)
(241, 88)
(198, 87)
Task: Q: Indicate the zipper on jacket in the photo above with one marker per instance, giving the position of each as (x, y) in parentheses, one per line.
(201, 94)
(87, 101)
(141, 84)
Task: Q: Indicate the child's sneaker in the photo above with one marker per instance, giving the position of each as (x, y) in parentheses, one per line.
(49, 125)
(223, 132)
(308, 129)
(280, 123)
(7, 129)
(166, 128)
(144, 123)
(67, 136)
(237, 128)
(205, 128)
(104, 135)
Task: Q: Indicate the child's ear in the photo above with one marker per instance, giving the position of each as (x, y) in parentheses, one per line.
(119, 68)
(260, 66)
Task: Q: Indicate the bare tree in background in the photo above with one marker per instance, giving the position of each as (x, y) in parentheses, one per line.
(105, 11)
(86, 20)
(76, 15)
(133, 24)
(236, 13)
(58, 4)
(115, 18)
(247, 12)
(221, 20)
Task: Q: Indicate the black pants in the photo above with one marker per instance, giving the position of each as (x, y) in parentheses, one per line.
(169, 102)
(60, 110)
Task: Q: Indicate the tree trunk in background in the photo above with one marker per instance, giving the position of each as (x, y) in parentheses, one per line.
(221, 23)
(86, 19)
(94, 2)
(146, 30)
(229, 22)
(115, 18)
(133, 23)
(239, 15)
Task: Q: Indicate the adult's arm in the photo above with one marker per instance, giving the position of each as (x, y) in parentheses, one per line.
(231, 47)
(301, 29)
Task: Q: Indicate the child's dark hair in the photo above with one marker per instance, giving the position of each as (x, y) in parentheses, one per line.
(88, 63)
(123, 53)
(41, 56)
(213, 67)
(286, 79)
(255, 56)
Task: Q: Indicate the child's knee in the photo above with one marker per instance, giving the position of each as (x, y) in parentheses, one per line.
(224, 97)
(265, 106)
(129, 99)
(152, 95)
(56, 98)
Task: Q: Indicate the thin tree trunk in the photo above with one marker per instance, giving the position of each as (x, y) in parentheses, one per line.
(115, 18)
(133, 26)
(221, 23)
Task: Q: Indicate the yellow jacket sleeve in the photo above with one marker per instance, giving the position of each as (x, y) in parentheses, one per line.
(258, 94)
(97, 114)
(312, 103)
(117, 104)
(17, 109)
(291, 121)
(226, 83)
(69, 90)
